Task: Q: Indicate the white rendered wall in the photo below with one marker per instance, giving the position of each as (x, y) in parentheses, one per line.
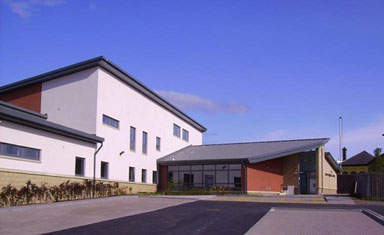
(57, 155)
(71, 100)
(121, 102)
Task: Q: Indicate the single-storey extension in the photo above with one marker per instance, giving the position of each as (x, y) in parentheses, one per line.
(290, 166)
(33, 148)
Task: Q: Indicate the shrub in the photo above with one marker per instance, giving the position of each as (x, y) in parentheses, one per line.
(32, 193)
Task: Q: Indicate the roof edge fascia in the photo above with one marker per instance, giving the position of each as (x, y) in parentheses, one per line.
(95, 139)
(112, 68)
(294, 150)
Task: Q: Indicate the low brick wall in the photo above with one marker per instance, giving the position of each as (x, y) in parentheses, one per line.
(18, 179)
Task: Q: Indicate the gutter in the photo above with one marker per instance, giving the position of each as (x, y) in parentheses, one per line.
(94, 170)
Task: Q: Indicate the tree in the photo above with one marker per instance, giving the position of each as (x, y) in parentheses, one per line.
(377, 152)
(377, 165)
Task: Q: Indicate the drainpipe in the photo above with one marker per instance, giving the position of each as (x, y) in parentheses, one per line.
(94, 170)
(245, 177)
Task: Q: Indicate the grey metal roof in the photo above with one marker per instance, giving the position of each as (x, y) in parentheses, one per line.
(29, 118)
(363, 158)
(251, 151)
(332, 162)
(110, 67)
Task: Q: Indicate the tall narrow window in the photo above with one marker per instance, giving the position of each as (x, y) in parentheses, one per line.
(131, 174)
(158, 143)
(104, 170)
(79, 166)
(176, 130)
(145, 142)
(132, 139)
(144, 176)
(154, 177)
(110, 121)
(185, 135)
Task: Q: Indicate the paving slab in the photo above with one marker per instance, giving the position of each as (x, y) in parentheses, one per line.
(306, 199)
(44, 218)
(341, 200)
(315, 222)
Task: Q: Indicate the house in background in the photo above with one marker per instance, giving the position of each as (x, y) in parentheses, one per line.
(358, 163)
(254, 167)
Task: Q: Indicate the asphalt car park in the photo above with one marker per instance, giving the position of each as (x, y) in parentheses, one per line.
(151, 215)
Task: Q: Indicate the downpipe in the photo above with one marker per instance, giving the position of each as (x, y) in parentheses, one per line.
(94, 170)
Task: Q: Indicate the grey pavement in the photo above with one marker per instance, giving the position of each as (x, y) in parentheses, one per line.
(340, 200)
(312, 222)
(44, 218)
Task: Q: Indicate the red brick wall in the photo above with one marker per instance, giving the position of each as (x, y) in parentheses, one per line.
(163, 179)
(28, 97)
(265, 176)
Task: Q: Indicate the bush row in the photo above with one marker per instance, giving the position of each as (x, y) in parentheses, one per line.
(32, 193)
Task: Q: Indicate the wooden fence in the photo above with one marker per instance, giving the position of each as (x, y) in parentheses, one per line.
(367, 185)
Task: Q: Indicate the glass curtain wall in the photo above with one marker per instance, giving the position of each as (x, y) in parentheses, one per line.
(185, 177)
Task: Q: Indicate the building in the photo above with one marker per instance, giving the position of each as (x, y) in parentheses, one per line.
(358, 163)
(58, 125)
(32, 148)
(254, 167)
(99, 98)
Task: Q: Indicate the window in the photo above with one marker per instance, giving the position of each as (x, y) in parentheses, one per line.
(144, 176)
(110, 121)
(131, 174)
(154, 177)
(185, 135)
(158, 143)
(132, 140)
(176, 130)
(104, 170)
(79, 166)
(145, 140)
(206, 176)
(19, 151)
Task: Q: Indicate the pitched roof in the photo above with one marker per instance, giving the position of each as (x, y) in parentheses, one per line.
(119, 73)
(250, 151)
(29, 118)
(363, 158)
(332, 162)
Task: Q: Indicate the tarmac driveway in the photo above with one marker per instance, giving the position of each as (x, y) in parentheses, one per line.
(152, 215)
(44, 218)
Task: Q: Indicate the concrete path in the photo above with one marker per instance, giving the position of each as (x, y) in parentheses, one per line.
(44, 218)
(189, 197)
(306, 199)
(320, 221)
(340, 200)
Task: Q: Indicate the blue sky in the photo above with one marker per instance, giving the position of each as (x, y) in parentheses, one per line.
(247, 70)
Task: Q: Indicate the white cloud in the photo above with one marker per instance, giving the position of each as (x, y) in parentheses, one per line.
(24, 8)
(92, 6)
(366, 137)
(194, 102)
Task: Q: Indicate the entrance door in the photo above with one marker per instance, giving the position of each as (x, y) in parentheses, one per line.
(188, 180)
(303, 183)
(208, 180)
